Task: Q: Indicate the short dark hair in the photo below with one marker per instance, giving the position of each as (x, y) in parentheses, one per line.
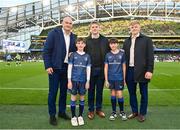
(113, 40)
(80, 39)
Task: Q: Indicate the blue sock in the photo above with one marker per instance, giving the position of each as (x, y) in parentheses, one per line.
(113, 103)
(81, 107)
(73, 108)
(121, 104)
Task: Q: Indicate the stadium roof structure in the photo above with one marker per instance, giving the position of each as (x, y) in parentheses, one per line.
(30, 19)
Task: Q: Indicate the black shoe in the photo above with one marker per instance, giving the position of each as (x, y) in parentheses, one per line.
(64, 116)
(53, 120)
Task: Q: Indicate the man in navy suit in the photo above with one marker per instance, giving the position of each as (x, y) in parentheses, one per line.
(140, 64)
(59, 43)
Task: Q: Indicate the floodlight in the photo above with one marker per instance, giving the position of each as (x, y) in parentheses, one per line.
(70, 8)
(46, 2)
(88, 4)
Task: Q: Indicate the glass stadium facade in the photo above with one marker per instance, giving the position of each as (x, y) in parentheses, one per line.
(22, 21)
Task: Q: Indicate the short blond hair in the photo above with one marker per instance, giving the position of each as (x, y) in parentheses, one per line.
(94, 22)
(134, 22)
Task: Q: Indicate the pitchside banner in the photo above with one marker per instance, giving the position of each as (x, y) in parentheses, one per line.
(12, 46)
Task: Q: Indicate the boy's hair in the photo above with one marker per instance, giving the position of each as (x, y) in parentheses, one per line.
(113, 40)
(134, 22)
(80, 39)
(94, 22)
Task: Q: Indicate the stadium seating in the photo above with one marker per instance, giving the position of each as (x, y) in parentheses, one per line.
(120, 27)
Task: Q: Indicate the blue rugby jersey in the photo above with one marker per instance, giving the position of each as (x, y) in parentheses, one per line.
(79, 65)
(115, 61)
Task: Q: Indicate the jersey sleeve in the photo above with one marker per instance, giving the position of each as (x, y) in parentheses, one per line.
(88, 68)
(70, 60)
(106, 59)
(123, 59)
(88, 60)
(69, 71)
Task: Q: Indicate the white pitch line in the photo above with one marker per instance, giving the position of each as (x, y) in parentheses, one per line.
(45, 89)
(155, 89)
(169, 75)
(40, 89)
(164, 89)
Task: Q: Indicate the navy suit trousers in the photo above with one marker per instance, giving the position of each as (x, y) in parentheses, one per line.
(57, 80)
(143, 87)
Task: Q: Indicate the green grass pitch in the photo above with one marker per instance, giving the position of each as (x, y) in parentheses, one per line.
(24, 90)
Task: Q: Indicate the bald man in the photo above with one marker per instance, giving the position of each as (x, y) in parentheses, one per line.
(59, 43)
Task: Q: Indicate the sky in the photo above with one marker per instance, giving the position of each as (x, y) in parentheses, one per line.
(9, 3)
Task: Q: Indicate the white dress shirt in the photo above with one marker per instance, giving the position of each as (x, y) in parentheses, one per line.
(95, 36)
(67, 43)
(131, 59)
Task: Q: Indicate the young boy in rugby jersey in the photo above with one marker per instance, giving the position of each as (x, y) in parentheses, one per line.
(114, 71)
(79, 68)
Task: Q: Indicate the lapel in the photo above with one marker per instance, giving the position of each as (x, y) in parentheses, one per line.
(61, 36)
(62, 41)
(71, 42)
(129, 42)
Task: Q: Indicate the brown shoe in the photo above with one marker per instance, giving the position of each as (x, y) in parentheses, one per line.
(91, 115)
(100, 113)
(141, 118)
(133, 115)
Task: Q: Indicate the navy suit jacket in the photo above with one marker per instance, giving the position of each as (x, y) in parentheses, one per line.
(55, 49)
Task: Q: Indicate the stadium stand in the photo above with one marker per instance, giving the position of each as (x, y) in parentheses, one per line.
(31, 22)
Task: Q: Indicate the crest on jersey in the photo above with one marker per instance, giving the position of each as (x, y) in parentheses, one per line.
(110, 57)
(85, 58)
